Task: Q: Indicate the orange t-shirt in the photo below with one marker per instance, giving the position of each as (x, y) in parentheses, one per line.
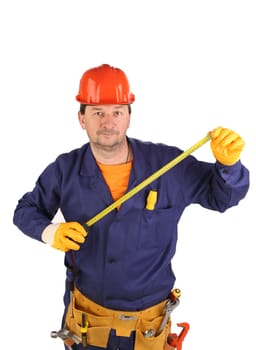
(116, 177)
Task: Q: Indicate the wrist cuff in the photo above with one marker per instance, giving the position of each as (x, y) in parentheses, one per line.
(49, 233)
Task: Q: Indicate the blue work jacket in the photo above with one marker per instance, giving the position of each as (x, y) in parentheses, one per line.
(125, 262)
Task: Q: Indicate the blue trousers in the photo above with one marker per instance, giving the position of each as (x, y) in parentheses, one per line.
(114, 343)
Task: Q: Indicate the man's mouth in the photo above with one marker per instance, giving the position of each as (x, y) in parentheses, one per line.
(107, 132)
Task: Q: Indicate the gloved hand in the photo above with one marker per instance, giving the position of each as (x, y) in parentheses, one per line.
(64, 236)
(226, 145)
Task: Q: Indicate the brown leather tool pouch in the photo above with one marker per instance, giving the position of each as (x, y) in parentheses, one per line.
(101, 320)
(98, 330)
(152, 343)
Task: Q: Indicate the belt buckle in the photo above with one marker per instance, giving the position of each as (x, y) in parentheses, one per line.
(126, 317)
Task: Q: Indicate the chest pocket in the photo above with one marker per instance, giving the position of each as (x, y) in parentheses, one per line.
(157, 228)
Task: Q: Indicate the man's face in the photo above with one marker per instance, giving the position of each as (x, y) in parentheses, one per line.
(106, 125)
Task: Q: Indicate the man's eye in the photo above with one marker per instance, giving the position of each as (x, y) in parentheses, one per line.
(99, 114)
(118, 113)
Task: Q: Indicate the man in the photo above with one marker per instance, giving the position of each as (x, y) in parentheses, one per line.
(119, 273)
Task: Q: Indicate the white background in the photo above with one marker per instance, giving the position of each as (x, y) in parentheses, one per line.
(191, 65)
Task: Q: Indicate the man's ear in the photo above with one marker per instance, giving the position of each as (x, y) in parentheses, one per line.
(81, 118)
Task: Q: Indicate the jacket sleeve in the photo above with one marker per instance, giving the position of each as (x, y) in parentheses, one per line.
(36, 209)
(215, 186)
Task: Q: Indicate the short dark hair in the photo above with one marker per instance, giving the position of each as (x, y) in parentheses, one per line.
(83, 106)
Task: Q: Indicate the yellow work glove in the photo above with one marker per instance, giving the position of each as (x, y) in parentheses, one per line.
(226, 145)
(64, 236)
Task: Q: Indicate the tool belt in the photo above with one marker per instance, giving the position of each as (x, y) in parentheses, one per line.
(101, 320)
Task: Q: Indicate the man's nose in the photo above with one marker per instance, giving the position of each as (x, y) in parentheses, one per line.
(108, 118)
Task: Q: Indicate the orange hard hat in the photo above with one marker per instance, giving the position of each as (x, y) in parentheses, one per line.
(104, 85)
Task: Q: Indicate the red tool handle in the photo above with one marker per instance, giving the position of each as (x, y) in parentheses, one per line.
(175, 340)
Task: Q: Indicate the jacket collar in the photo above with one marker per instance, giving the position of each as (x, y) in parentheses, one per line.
(141, 162)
